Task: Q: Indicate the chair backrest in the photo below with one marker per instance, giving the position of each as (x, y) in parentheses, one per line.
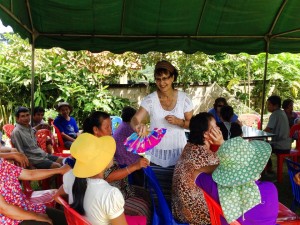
(215, 210)
(60, 144)
(41, 138)
(250, 120)
(295, 133)
(293, 168)
(73, 217)
(115, 122)
(162, 214)
(8, 128)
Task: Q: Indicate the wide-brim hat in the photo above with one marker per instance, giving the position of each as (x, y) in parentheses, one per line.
(61, 104)
(241, 161)
(92, 154)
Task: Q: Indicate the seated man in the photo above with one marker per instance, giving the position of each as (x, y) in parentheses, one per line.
(278, 124)
(66, 124)
(37, 119)
(23, 138)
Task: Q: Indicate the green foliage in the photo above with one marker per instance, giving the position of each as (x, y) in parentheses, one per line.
(81, 77)
(76, 77)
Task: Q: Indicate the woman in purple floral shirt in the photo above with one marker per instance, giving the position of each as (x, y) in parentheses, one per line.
(15, 208)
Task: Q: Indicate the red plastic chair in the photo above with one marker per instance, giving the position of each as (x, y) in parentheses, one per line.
(60, 145)
(41, 137)
(38, 197)
(73, 217)
(215, 210)
(285, 215)
(8, 128)
(250, 120)
(294, 153)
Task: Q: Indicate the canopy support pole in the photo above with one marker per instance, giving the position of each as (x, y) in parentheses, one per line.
(264, 82)
(32, 76)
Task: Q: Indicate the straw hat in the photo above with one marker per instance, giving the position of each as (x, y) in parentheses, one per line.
(61, 104)
(92, 154)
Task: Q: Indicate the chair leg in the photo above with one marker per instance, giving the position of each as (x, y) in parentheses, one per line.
(279, 168)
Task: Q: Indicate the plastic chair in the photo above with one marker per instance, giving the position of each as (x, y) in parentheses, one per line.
(294, 153)
(39, 197)
(73, 217)
(250, 120)
(285, 215)
(60, 145)
(294, 168)
(8, 128)
(41, 137)
(162, 214)
(295, 133)
(115, 122)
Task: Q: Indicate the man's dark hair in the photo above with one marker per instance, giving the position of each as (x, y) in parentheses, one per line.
(19, 110)
(275, 100)
(38, 109)
(127, 113)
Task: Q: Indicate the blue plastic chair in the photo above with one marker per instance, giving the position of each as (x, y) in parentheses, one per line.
(115, 122)
(162, 214)
(294, 168)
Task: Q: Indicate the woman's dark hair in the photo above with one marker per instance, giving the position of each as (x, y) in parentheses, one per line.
(198, 126)
(165, 67)
(127, 113)
(94, 120)
(78, 191)
(286, 103)
(220, 100)
(226, 113)
(275, 100)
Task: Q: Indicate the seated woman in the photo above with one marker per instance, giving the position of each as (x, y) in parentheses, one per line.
(235, 181)
(228, 129)
(91, 195)
(215, 111)
(188, 203)
(15, 207)
(99, 125)
(288, 107)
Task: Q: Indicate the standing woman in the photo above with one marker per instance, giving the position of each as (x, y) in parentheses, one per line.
(168, 108)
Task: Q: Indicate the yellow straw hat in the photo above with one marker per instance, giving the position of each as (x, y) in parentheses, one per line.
(92, 154)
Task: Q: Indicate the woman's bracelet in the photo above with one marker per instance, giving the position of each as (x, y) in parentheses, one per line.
(127, 170)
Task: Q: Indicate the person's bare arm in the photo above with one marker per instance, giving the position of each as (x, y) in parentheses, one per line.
(136, 121)
(120, 220)
(124, 172)
(17, 213)
(67, 137)
(20, 158)
(60, 192)
(40, 174)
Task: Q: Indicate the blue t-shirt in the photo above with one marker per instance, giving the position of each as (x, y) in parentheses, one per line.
(70, 127)
(218, 119)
